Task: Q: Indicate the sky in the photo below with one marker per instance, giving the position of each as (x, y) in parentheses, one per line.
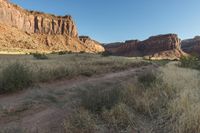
(119, 20)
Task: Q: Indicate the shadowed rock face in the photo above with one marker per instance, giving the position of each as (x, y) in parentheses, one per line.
(42, 32)
(161, 46)
(191, 46)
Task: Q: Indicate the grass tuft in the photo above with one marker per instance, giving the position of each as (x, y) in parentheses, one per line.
(81, 121)
(148, 78)
(97, 99)
(119, 117)
(15, 77)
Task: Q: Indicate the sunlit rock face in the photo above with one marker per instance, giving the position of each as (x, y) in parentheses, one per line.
(156, 47)
(92, 45)
(36, 22)
(191, 46)
(46, 29)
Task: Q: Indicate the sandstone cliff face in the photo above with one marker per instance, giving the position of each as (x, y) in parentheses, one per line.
(127, 48)
(191, 46)
(36, 22)
(47, 32)
(91, 45)
(156, 47)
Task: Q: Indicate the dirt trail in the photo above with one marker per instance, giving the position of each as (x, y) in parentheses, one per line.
(38, 110)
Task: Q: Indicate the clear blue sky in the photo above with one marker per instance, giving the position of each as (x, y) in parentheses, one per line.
(119, 20)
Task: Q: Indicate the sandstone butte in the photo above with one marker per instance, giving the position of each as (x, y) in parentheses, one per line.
(156, 47)
(23, 31)
(191, 46)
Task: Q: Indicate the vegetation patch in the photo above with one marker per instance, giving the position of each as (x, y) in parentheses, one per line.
(64, 52)
(120, 117)
(97, 99)
(81, 121)
(40, 56)
(148, 78)
(190, 62)
(15, 77)
(106, 53)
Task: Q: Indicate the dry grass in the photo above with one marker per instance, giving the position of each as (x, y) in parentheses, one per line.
(71, 64)
(174, 100)
(184, 108)
(15, 77)
(172, 97)
(120, 117)
(81, 121)
(59, 66)
(97, 98)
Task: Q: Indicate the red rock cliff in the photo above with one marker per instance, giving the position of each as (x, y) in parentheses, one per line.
(29, 31)
(191, 46)
(36, 22)
(156, 47)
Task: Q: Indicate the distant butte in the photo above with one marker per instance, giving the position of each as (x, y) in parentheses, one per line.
(191, 46)
(156, 47)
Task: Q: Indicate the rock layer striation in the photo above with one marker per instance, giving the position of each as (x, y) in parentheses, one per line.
(46, 29)
(156, 47)
(191, 46)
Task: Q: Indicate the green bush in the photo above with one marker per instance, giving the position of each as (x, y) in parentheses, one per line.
(106, 53)
(15, 77)
(40, 56)
(190, 62)
(62, 52)
(82, 52)
(97, 99)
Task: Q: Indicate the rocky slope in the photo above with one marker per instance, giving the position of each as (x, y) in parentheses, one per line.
(156, 47)
(191, 46)
(27, 31)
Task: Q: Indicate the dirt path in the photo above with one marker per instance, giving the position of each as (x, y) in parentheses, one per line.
(42, 108)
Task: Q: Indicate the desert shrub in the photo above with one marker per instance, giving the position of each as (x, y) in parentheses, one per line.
(87, 73)
(190, 62)
(97, 99)
(119, 117)
(62, 52)
(15, 77)
(106, 53)
(148, 78)
(81, 121)
(82, 52)
(40, 56)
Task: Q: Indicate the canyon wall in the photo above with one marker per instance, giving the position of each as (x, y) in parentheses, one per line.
(36, 22)
(36, 31)
(191, 46)
(156, 47)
